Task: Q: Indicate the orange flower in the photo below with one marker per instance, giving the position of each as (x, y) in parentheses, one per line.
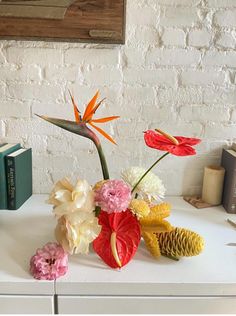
(79, 127)
(87, 118)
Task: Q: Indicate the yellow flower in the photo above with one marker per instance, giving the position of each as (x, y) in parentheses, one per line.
(139, 207)
(155, 223)
(161, 210)
(152, 244)
(180, 242)
(76, 231)
(99, 184)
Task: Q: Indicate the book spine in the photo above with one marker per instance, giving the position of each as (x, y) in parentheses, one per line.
(11, 183)
(228, 161)
(3, 189)
(232, 201)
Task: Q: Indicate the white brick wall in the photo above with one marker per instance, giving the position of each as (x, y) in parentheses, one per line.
(177, 72)
(199, 38)
(173, 37)
(225, 18)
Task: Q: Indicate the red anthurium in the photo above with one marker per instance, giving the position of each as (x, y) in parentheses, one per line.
(119, 238)
(176, 145)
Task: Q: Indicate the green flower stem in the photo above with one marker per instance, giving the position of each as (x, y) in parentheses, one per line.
(91, 135)
(103, 162)
(146, 172)
(87, 132)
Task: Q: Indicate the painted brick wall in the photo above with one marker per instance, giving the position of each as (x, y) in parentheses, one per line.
(176, 72)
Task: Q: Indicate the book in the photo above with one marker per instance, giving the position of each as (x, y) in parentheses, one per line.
(19, 177)
(5, 150)
(228, 161)
(234, 146)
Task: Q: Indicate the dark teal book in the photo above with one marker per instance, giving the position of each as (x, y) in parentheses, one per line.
(5, 150)
(19, 177)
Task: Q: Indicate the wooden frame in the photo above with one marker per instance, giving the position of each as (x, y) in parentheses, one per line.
(96, 21)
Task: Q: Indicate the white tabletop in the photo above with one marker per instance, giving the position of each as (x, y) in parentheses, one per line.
(211, 273)
(21, 233)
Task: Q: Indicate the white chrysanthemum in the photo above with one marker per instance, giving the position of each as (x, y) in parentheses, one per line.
(150, 188)
(67, 198)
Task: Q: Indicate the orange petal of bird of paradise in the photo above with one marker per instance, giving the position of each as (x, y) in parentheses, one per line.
(76, 110)
(90, 106)
(105, 119)
(88, 114)
(92, 112)
(101, 131)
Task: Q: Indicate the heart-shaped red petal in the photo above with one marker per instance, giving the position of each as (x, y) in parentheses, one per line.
(126, 229)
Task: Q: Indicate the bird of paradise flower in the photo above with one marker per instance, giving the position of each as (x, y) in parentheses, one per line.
(80, 126)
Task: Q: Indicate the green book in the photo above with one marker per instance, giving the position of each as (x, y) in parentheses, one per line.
(19, 177)
(5, 150)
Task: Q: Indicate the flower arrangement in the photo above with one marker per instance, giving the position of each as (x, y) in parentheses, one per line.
(114, 214)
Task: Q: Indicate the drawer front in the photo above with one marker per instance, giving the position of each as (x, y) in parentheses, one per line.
(10, 304)
(145, 305)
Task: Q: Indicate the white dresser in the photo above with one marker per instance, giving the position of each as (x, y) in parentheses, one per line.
(203, 284)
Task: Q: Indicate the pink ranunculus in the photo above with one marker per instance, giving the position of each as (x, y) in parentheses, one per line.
(113, 196)
(49, 262)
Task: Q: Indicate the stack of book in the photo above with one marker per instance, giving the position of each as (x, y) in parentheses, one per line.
(15, 175)
(228, 161)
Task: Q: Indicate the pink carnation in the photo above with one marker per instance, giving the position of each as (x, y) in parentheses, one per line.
(113, 196)
(49, 262)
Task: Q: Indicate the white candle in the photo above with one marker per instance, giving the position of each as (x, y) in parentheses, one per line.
(213, 181)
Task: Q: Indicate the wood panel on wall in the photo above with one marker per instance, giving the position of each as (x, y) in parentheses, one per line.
(82, 21)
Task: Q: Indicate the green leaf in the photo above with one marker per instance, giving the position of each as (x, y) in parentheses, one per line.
(73, 127)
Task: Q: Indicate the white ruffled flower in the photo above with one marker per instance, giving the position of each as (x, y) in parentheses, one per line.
(75, 232)
(150, 188)
(67, 198)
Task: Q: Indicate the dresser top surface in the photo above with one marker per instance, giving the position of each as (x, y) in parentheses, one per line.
(25, 230)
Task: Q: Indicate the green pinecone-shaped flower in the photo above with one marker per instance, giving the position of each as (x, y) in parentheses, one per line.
(180, 242)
